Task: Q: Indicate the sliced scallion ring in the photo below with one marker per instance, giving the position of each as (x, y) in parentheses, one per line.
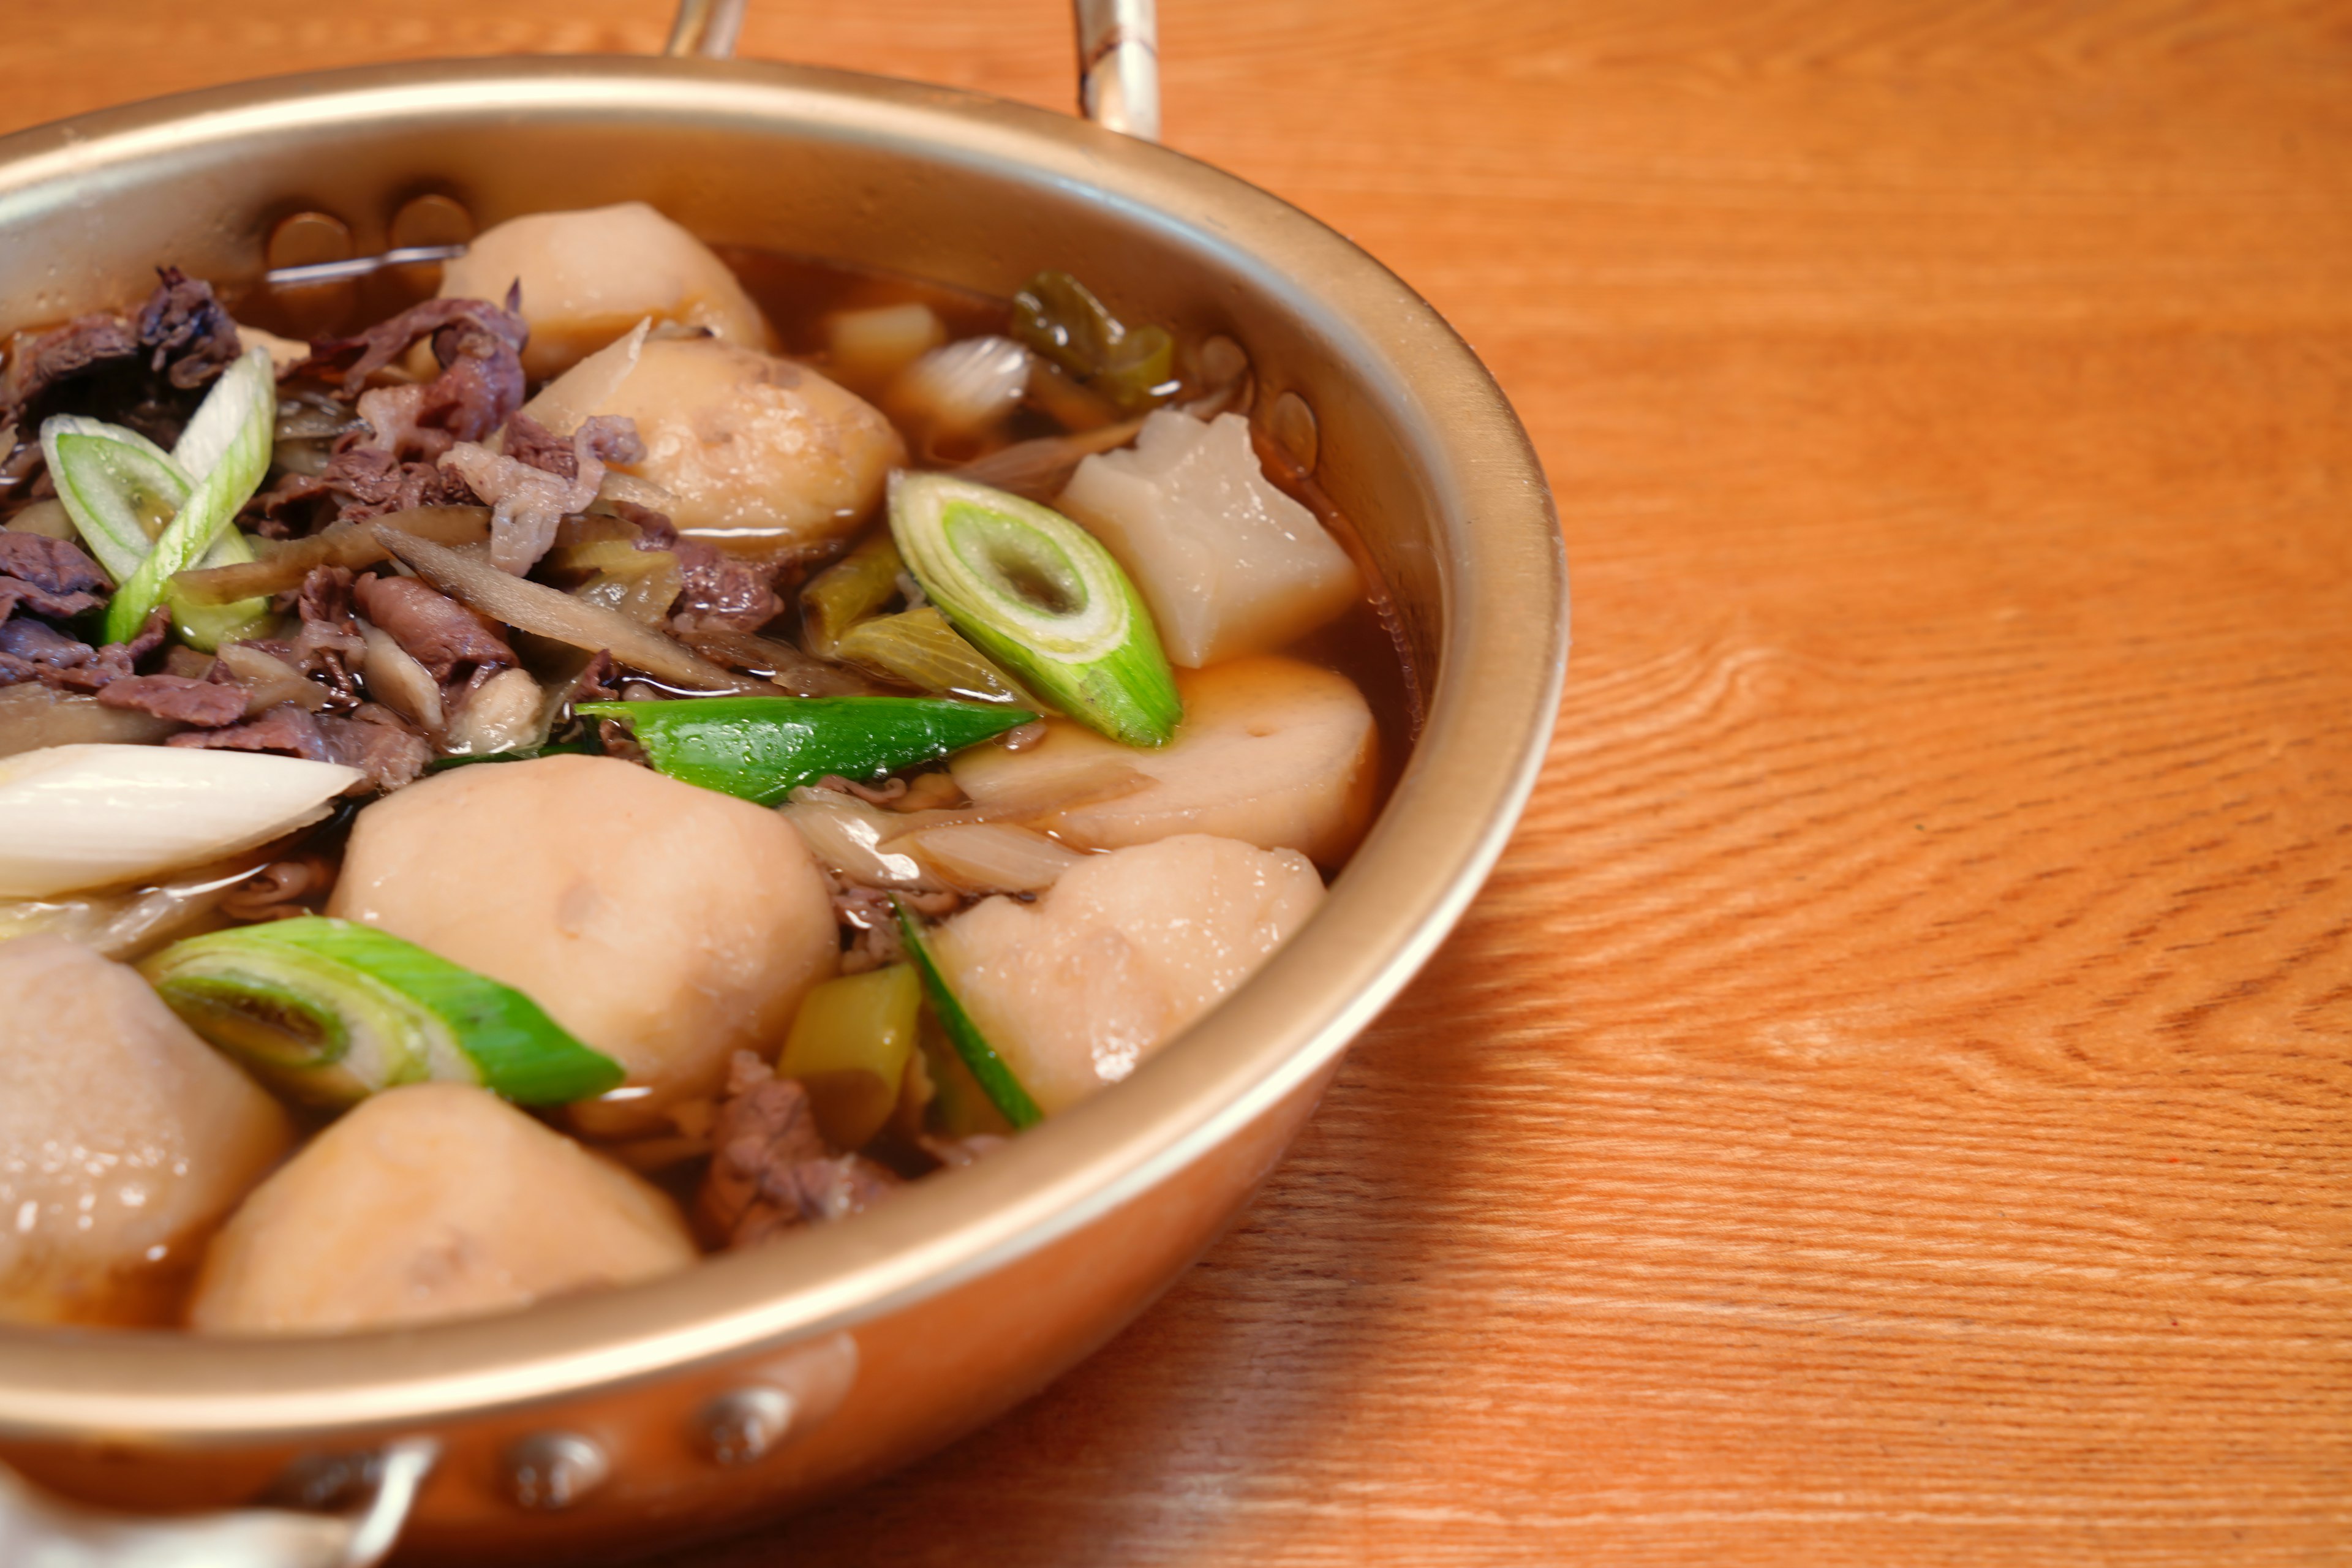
(120, 487)
(332, 1011)
(1036, 593)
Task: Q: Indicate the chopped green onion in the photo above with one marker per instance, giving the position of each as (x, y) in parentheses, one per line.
(848, 590)
(247, 393)
(119, 488)
(1059, 317)
(995, 1077)
(920, 649)
(331, 1012)
(1036, 593)
(762, 748)
(207, 626)
(848, 1047)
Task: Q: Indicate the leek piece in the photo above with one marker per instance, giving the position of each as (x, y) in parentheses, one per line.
(331, 1012)
(848, 1047)
(1036, 593)
(848, 590)
(996, 1079)
(119, 488)
(761, 748)
(1059, 316)
(922, 650)
(248, 395)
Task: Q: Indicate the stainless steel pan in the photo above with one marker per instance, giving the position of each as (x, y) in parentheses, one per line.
(699, 1404)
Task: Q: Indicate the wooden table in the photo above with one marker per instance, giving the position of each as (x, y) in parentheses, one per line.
(1890, 1106)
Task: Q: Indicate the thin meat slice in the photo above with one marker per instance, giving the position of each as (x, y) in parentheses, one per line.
(479, 347)
(373, 740)
(82, 345)
(53, 565)
(771, 1170)
(434, 629)
(208, 704)
(188, 334)
(529, 498)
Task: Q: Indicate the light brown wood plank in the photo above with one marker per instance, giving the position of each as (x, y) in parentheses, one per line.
(1891, 1104)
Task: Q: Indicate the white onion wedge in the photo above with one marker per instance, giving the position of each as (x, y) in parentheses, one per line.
(92, 816)
(990, 856)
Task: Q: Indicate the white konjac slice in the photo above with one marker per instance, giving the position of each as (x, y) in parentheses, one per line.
(589, 276)
(1273, 751)
(666, 925)
(437, 1200)
(1123, 951)
(1229, 565)
(745, 443)
(123, 1139)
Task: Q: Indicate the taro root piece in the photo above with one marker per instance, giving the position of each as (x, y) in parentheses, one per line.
(1276, 752)
(123, 1139)
(1124, 951)
(665, 925)
(432, 1201)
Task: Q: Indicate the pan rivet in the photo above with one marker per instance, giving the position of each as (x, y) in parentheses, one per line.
(552, 1471)
(1292, 425)
(739, 1427)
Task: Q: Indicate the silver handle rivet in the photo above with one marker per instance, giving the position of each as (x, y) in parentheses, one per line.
(740, 1425)
(552, 1471)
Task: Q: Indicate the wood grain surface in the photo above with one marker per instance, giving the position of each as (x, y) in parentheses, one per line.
(1891, 1105)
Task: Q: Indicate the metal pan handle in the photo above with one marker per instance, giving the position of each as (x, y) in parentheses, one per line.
(35, 1529)
(1118, 55)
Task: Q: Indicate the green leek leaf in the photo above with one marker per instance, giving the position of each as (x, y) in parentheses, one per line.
(762, 748)
(120, 487)
(1038, 594)
(995, 1077)
(331, 1012)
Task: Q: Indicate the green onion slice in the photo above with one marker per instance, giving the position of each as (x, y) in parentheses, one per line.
(762, 748)
(1060, 318)
(1036, 593)
(237, 437)
(1003, 1089)
(331, 1012)
(848, 590)
(920, 649)
(120, 487)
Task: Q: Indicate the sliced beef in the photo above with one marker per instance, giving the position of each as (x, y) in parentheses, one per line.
(208, 704)
(52, 565)
(329, 645)
(15, 594)
(439, 633)
(82, 345)
(187, 332)
(607, 438)
(374, 739)
(480, 348)
(771, 1170)
(33, 650)
(361, 481)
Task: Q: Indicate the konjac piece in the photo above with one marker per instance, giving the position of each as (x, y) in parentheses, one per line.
(589, 276)
(435, 1200)
(1271, 751)
(667, 926)
(747, 444)
(1121, 953)
(123, 1139)
(1229, 565)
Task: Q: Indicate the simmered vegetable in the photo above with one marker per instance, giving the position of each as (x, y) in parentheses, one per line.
(666, 926)
(920, 649)
(352, 544)
(1133, 367)
(762, 748)
(433, 1201)
(996, 1077)
(848, 1047)
(1036, 593)
(848, 590)
(123, 1141)
(91, 815)
(1273, 751)
(331, 1012)
(1072, 991)
(1229, 565)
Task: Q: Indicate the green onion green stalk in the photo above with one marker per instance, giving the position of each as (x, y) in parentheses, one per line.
(762, 748)
(331, 1012)
(1037, 594)
(995, 1077)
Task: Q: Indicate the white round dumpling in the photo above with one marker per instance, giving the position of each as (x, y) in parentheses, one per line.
(589, 276)
(667, 926)
(432, 1201)
(123, 1139)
